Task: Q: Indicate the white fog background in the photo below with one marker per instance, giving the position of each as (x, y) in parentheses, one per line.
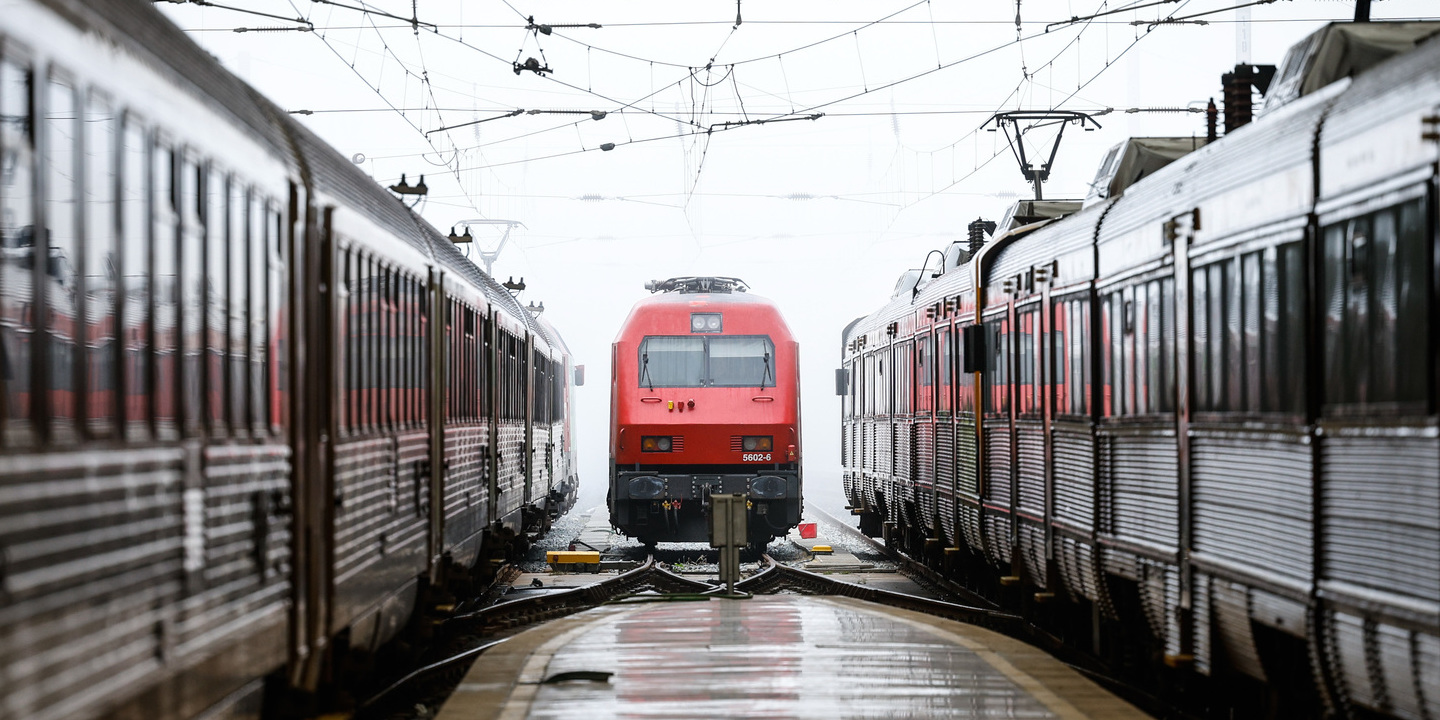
(821, 216)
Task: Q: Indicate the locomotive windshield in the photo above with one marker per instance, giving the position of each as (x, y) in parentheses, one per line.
(718, 361)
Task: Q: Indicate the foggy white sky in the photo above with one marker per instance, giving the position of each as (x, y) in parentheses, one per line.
(821, 216)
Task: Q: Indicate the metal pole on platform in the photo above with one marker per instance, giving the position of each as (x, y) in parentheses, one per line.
(729, 532)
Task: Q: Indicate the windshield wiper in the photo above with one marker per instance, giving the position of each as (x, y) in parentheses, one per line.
(645, 370)
(767, 373)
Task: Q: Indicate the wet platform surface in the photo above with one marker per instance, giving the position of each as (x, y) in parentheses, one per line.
(783, 656)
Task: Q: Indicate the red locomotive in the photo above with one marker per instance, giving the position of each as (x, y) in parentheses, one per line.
(704, 399)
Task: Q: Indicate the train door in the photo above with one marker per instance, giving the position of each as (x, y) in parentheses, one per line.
(997, 486)
(497, 394)
(1028, 518)
(527, 453)
(923, 463)
(300, 393)
(435, 409)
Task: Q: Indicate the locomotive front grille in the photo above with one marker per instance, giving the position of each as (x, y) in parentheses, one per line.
(737, 443)
(677, 443)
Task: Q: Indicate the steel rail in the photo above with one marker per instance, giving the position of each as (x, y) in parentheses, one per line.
(526, 611)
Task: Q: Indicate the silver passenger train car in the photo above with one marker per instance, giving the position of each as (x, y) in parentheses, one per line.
(256, 415)
(1203, 404)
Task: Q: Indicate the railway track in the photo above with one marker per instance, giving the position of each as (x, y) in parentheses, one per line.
(779, 578)
(470, 633)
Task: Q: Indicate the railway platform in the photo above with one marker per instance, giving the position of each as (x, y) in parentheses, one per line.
(773, 656)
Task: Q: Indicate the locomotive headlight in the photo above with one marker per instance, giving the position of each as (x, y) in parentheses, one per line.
(646, 487)
(705, 323)
(655, 443)
(761, 443)
(767, 487)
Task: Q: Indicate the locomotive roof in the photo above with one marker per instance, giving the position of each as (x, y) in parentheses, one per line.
(671, 303)
(1340, 50)
(149, 35)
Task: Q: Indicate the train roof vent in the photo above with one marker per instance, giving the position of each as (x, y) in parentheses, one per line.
(908, 282)
(698, 285)
(1341, 50)
(1134, 159)
(1025, 212)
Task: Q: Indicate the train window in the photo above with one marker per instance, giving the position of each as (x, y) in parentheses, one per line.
(1167, 345)
(1027, 381)
(944, 371)
(166, 309)
(215, 299)
(1215, 363)
(998, 373)
(192, 291)
(1376, 288)
(17, 240)
(370, 358)
(344, 357)
(901, 380)
(1232, 362)
(238, 291)
(1068, 348)
(422, 351)
(259, 320)
(672, 362)
(134, 270)
(1249, 331)
(388, 413)
(924, 374)
(98, 273)
(452, 346)
(61, 281)
(1248, 323)
(404, 355)
(1151, 323)
(741, 361)
(272, 352)
(1138, 347)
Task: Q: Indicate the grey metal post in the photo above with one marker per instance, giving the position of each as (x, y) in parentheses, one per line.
(729, 532)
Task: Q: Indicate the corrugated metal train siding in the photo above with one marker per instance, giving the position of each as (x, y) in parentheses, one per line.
(1231, 603)
(1074, 458)
(1251, 496)
(1032, 552)
(997, 490)
(1081, 573)
(367, 494)
(467, 484)
(1030, 446)
(945, 481)
(511, 481)
(246, 489)
(95, 552)
(1138, 473)
(1379, 500)
(925, 472)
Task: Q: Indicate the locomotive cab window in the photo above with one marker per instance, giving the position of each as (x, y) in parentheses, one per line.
(691, 361)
